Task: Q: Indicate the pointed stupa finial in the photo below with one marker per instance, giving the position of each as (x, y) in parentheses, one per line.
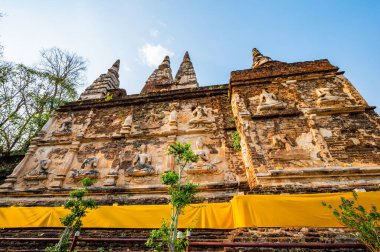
(186, 76)
(186, 57)
(160, 76)
(115, 68)
(259, 58)
(103, 84)
(165, 62)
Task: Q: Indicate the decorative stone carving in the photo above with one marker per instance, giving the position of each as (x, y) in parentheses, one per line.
(325, 97)
(113, 173)
(173, 117)
(152, 120)
(229, 176)
(243, 111)
(127, 125)
(141, 164)
(87, 169)
(201, 118)
(64, 129)
(285, 148)
(40, 171)
(318, 138)
(268, 101)
(204, 163)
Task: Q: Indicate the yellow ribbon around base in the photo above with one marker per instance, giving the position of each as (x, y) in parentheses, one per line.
(294, 210)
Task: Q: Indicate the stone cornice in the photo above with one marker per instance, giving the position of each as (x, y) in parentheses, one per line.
(180, 94)
(282, 70)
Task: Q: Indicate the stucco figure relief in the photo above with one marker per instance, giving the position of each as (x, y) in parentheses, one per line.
(325, 97)
(87, 169)
(127, 125)
(268, 101)
(64, 129)
(141, 164)
(285, 148)
(40, 170)
(318, 138)
(152, 120)
(113, 173)
(229, 176)
(201, 118)
(243, 111)
(204, 163)
(173, 118)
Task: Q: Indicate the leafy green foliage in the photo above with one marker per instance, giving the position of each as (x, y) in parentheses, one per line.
(181, 195)
(365, 223)
(78, 207)
(159, 238)
(169, 178)
(236, 141)
(182, 153)
(86, 182)
(108, 97)
(29, 95)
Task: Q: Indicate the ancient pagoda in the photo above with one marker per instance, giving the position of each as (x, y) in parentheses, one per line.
(303, 128)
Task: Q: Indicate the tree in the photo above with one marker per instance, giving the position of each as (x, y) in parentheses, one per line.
(78, 207)
(67, 72)
(28, 96)
(181, 195)
(366, 224)
(1, 47)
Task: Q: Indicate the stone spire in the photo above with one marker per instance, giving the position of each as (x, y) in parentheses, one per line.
(160, 78)
(115, 69)
(103, 84)
(258, 58)
(185, 77)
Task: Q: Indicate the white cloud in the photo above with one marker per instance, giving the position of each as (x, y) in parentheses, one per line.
(152, 55)
(127, 68)
(154, 33)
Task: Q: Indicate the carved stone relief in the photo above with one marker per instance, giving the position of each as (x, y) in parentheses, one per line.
(40, 170)
(141, 164)
(201, 118)
(113, 172)
(285, 148)
(173, 118)
(87, 169)
(153, 120)
(268, 101)
(318, 138)
(64, 130)
(241, 107)
(127, 125)
(229, 176)
(325, 97)
(204, 163)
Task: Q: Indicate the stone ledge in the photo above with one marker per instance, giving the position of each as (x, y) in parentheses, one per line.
(325, 170)
(283, 69)
(171, 95)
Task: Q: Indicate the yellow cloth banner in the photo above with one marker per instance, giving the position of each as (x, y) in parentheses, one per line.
(300, 210)
(293, 210)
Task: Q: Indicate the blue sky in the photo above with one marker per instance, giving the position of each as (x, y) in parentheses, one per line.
(219, 35)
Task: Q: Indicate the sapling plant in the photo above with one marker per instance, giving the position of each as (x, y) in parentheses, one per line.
(365, 224)
(168, 238)
(78, 207)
